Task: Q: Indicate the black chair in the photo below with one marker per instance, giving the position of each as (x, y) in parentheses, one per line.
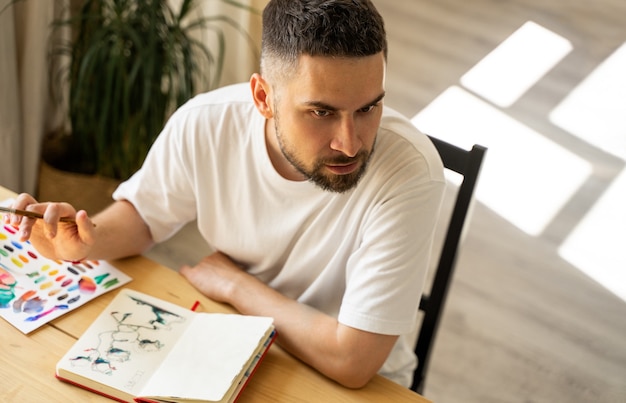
(468, 164)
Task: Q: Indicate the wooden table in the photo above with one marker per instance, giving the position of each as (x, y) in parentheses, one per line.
(27, 362)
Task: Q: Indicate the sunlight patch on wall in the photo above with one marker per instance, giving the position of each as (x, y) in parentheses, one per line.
(595, 111)
(521, 60)
(525, 178)
(596, 246)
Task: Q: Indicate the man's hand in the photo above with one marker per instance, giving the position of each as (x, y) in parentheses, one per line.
(52, 238)
(349, 356)
(121, 231)
(215, 276)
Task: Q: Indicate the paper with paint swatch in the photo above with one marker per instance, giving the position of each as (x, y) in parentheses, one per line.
(35, 290)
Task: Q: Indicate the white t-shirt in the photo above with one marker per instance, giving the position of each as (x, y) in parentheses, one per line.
(360, 256)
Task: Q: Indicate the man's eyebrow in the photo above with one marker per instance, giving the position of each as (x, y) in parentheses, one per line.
(325, 106)
(375, 101)
(320, 105)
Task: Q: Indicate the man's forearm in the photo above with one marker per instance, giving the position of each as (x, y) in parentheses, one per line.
(347, 355)
(120, 232)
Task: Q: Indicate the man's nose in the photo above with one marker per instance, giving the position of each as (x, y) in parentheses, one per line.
(346, 139)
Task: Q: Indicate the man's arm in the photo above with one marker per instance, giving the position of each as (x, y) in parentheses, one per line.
(119, 230)
(347, 355)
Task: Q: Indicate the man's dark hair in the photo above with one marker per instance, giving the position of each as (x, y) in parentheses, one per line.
(330, 28)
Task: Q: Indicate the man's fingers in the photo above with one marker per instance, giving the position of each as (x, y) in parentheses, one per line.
(86, 227)
(25, 228)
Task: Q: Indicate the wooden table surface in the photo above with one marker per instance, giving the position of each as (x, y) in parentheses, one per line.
(27, 362)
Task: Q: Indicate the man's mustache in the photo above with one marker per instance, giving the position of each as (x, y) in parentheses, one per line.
(344, 159)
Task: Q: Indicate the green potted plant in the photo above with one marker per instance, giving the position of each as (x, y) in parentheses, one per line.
(131, 63)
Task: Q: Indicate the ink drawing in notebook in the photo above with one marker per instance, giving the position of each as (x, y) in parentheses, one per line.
(35, 290)
(144, 349)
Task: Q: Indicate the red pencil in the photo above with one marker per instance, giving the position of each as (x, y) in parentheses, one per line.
(195, 305)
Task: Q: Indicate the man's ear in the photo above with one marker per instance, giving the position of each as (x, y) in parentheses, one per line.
(261, 95)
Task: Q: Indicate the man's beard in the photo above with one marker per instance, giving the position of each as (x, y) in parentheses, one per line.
(328, 182)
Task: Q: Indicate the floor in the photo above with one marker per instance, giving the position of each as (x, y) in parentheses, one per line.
(523, 323)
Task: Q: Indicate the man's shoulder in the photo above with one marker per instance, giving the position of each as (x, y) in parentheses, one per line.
(402, 138)
(234, 94)
(205, 118)
(401, 128)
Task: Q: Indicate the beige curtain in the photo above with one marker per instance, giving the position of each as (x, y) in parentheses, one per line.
(24, 94)
(27, 111)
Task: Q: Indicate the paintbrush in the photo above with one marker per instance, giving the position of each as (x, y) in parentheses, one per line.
(32, 214)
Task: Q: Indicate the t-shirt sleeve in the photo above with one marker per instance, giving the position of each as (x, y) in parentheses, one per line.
(386, 274)
(162, 189)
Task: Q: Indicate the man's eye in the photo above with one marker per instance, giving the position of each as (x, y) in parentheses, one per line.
(367, 108)
(321, 113)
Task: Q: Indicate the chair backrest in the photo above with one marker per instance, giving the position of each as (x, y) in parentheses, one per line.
(468, 164)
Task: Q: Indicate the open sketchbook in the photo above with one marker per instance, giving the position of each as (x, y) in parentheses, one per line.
(35, 290)
(148, 350)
